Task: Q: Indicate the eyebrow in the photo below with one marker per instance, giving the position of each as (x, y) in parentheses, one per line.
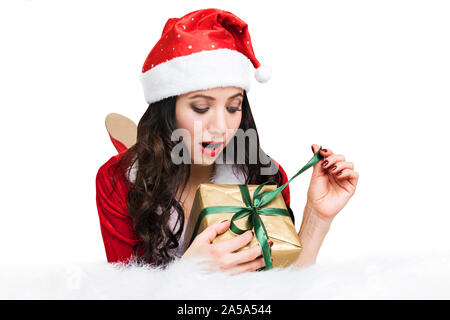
(212, 98)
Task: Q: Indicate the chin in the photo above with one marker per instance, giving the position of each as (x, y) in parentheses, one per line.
(204, 162)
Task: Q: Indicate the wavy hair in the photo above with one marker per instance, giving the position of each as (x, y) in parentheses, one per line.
(154, 192)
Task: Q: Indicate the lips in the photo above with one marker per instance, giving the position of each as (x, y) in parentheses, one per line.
(211, 144)
(211, 148)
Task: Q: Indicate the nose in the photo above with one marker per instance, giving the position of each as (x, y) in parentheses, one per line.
(217, 126)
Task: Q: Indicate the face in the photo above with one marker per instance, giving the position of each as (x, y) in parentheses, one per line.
(211, 117)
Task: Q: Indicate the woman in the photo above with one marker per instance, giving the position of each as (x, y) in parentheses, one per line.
(196, 80)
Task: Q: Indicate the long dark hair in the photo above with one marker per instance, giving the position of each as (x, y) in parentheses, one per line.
(158, 180)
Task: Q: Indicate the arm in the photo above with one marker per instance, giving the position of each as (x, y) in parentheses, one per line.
(312, 233)
(313, 229)
(115, 222)
(333, 183)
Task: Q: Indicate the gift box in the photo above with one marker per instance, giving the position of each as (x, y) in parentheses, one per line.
(260, 208)
(280, 229)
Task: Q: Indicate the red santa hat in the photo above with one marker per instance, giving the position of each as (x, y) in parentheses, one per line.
(204, 49)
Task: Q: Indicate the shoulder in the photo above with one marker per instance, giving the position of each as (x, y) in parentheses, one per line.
(110, 182)
(116, 224)
(282, 179)
(107, 170)
(111, 167)
(281, 173)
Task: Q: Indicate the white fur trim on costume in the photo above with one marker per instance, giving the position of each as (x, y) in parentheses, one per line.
(132, 172)
(224, 174)
(197, 71)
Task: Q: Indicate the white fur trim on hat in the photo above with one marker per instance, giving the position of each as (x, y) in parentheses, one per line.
(197, 71)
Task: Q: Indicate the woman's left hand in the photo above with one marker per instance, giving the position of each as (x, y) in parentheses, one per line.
(333, 183)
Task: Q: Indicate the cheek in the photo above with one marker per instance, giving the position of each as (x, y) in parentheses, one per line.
(236, 121)
(233, 124)
(186, 120)
(186, 124)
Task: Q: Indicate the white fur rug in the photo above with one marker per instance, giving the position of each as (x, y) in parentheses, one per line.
(368, 278)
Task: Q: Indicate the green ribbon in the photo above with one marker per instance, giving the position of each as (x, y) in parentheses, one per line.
(254, 209)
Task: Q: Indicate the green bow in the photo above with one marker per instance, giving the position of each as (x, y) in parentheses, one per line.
(254, 209)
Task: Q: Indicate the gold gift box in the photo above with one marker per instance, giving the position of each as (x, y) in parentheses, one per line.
(281, 230)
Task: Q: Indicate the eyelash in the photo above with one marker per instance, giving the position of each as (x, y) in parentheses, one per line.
(200, 110)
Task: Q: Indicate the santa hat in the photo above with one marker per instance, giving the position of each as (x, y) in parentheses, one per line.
(204, 49)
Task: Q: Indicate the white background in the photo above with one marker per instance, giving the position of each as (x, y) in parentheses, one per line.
(366, 79)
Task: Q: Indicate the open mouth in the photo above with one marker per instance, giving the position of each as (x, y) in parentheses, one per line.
(211, 145)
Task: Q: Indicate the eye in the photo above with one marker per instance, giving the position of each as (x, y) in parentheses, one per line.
(199, 110)
(234, 109)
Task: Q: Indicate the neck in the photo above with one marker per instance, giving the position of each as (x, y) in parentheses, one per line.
(200, 173)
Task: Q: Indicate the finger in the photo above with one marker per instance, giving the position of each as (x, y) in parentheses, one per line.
(330, 161)
(351, 175)
(348, 179)
(211, 232)
(344, 173)
(245, 255)
(339, 166)
(248, 266)
(354, 177)
(320, 168)
(235, 243)
(317, 168)
(324, 152)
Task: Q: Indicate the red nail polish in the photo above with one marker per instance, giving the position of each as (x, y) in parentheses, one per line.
(324, 150)
(270, 243)
(339, 173)
(324, 163)
(333, 168)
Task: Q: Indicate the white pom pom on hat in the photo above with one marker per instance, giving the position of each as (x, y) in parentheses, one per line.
(204, 49)
(263, 73)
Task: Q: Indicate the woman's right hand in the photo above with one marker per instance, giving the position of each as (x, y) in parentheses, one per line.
(221, 255)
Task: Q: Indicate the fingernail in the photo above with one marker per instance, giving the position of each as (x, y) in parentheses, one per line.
(339, 173)
(253, 233)
(324, 163)
(312, 148)
(324, 150)
(333, 168)
(270, 243)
